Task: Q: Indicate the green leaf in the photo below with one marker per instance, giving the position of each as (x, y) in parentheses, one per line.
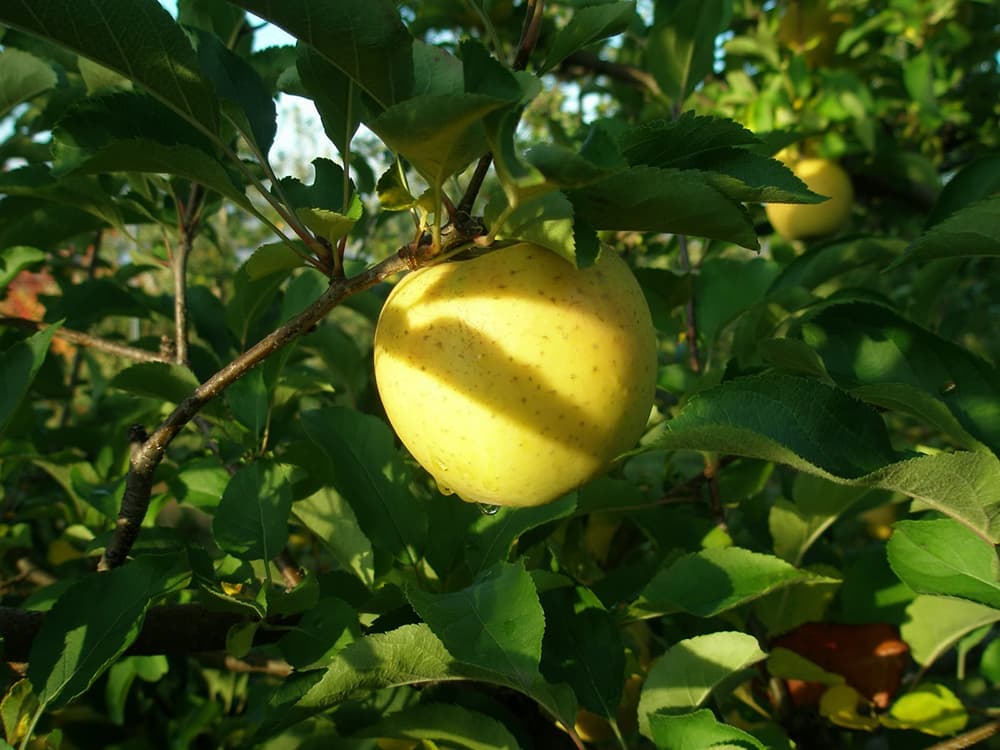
(251, 522)
(670, 143)
(819, 430)
(975, 181)
(800, 422)
(713, 580)
(681, 47)
(587, 25)
(409, 655)
(548, 220)
(136, 38)
(726, 287)
(337, 97)
(934, 624)
(83, 192)
(909, 399)
(321, 205)
(22, 77)
(121, 676)
(789, 665)
(41, 223)
(365, 468)
(18, 367)
(241, 89)
(795, 526)
(970, 231)
(645, 199)
(326, 628)
(491, 537)
(158, 380)
(583, 648)
(327, 515)
(15, 259)
(942, 556)
(451, 724)
(94, 621)
(698, 729)
(684, 677)
(823, 262)
(249, 399)
(862, 343)
(437, 134)
(364, 38)
(130, 132)
(273, 258)
(930, 708)
(497, 623)
(88, 301)
(254, 288)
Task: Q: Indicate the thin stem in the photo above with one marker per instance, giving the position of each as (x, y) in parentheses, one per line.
(529, 33)
(690, 315)
(464, 207)
(85, 339)
(188, 229)
(31, 727)
(970, 738)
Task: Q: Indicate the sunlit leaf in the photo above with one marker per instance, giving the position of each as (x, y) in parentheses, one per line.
(684, 677)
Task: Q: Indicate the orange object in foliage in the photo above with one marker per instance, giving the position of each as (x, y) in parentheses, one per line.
(871, 658)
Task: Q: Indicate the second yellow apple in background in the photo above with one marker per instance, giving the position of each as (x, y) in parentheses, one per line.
(797, 221)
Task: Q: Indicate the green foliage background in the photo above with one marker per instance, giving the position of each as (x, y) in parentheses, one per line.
(823, 448)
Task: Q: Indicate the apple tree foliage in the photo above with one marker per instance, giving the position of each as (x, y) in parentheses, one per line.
(211, 537)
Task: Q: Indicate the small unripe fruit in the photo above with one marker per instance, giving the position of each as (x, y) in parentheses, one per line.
(796, 221)
(515, 377)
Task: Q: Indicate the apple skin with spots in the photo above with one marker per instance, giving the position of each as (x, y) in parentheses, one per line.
(515, 377)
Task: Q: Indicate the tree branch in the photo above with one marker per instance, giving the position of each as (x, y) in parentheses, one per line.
(148, 455)
(85, 339)
(591, 62)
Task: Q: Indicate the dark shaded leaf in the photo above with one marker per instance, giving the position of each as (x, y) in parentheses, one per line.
(94, 621)
(136, 38)
(364, 38)
(251, 522)
(18, 368)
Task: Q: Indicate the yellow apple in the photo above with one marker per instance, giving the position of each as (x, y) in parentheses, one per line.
(515, 377)
(795, 221)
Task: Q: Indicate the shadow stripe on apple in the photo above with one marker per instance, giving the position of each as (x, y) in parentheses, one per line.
(515, 377)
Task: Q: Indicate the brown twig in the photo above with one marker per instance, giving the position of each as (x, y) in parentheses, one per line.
(591, 62)
(143, 463)
(970, 738)
(85, 339)
(290, 571)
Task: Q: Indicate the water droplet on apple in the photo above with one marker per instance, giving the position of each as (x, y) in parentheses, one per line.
(443, 488)
(488, 510)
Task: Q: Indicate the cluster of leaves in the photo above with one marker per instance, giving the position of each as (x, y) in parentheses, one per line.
(803, 550)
